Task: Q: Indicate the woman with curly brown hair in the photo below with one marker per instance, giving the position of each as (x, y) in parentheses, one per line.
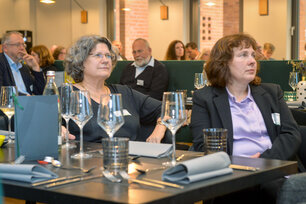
(43, 57)
(176, 51)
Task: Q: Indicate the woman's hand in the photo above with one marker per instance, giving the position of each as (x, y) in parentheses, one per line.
(157, 134)
(70, 136)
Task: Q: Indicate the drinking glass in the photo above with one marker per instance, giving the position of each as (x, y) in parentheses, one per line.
(293, 80)
(110, 116)
(7, 105)
(81, 112)
(199, 81)
(66, 90)
(173, 116)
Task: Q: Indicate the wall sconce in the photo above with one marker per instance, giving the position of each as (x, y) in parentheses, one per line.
(47, 1)
(84, 13)
(163, 11)
(263, 7)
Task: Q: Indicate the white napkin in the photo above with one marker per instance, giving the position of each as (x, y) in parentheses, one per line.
(197, 169)
(25, 172)
(149, 149)
(294, 103)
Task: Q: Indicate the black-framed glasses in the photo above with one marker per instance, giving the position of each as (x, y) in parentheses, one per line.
(100, 56)
(18, 45)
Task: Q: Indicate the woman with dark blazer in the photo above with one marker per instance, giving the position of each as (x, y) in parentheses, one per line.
(258, 120)
(255, 114)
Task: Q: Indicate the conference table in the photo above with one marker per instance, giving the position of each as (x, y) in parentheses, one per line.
(100, 190)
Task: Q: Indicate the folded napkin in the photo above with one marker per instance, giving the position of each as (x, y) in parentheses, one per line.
(25, 172)
(149, 149)
(201, 168)
(295, 104)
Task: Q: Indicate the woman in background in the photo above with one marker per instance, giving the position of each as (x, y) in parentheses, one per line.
(43, 57)
(59, 53)
(175, 51)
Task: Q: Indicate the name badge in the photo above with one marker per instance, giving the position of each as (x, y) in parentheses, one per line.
(140, 82)
(126, 112)
(276, 118)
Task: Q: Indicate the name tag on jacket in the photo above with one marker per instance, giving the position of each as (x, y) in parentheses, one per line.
(140, 82)
(276, 118)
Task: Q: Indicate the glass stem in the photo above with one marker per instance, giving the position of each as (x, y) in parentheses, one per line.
(67, 132)
(173, 160)
(81, 140)
(9, 129)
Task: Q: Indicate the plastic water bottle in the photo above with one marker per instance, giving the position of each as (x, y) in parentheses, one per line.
(51, 89)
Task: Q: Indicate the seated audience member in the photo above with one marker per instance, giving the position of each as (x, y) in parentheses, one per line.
(268, 51)
(176, 51)
(258, 53)
(53, 47)
(146, 74)
(118, 45)
(43, 57)
(90, 68)
(257, 118)
(204, 54)
(18, 68)
(59, 53)
(0, 45)
(192, 52)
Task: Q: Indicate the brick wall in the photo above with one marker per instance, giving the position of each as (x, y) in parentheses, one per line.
(230, 17)
(210, 24)
(133, 23)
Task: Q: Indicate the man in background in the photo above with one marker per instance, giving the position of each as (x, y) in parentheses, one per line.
(268, 51)
(117, 44)
(0, 45)
(192, 52)
(146, 74)
(18, 68)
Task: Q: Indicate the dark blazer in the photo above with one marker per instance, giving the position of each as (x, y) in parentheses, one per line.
(155, 79)
(211, 110)
(34, 81)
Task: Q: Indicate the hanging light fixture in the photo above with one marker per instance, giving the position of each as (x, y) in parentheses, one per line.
(47, 1)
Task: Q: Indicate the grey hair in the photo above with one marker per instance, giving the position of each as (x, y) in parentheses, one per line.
(144, 40)
(6, 36)
(79, 52)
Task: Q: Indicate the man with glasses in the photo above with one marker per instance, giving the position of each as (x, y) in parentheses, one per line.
(145, 74)
(18, 68)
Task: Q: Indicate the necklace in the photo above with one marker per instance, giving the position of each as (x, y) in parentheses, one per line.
(105, 87)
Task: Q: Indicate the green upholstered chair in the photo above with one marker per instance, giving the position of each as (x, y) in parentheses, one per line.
(59, 65)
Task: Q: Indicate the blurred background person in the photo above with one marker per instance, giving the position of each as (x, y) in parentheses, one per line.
(258, 53)
(52, 48)
(204, 54)
(118, 45)
(0, 45)
(43, 57)
(176, 51)
(268, 51)
(59, 53)
(192, 52)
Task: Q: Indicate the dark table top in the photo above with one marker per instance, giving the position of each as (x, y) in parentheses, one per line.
(101, 190)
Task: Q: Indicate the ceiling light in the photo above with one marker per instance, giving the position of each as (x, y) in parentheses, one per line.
(210, 3)
(47, 1)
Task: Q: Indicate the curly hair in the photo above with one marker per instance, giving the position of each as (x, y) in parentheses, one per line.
(44, 54)
(80, 51)
(170, 54)
(217, 69)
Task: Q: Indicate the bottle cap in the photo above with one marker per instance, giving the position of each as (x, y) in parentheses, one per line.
(50, 73)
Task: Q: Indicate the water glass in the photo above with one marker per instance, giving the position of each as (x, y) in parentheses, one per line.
(215, 140)
(115, 154)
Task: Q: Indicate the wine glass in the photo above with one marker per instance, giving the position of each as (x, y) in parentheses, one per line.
(66, 90)
(293, 80)
(173, 116)
(7, 105)
(199, 80)
(81, 113)
(110, 116)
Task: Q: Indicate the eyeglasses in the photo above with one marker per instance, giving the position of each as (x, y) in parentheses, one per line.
(100, 56)
(18, 45)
